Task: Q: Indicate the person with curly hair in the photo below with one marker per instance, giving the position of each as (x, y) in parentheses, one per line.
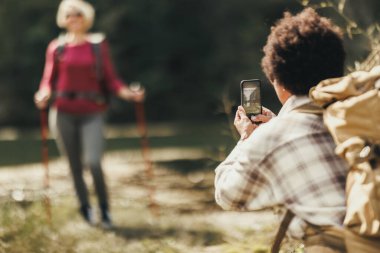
(289, 159)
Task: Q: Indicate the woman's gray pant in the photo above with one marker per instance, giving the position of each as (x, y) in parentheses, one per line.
(80, 138)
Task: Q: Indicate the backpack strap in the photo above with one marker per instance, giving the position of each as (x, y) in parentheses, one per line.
(97, 50)
(96, 40)
(57, 57)
(310, 108)
(61, 41)
(59, 52)
(280, 235)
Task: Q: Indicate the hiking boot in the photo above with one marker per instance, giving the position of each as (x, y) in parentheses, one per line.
(106, 219)
(88, 215)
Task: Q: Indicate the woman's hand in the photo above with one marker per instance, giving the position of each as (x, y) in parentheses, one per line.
(41, 98)
(131, 94)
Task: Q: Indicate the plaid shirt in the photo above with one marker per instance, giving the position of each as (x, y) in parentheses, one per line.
(288, 161)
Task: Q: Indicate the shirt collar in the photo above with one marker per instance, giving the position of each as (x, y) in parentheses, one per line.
(292, 103)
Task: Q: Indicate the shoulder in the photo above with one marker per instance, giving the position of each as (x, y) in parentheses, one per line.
(290, 128)
(58, 42)
(99, 42)
(52, 46)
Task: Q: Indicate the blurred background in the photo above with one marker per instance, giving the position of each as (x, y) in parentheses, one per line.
(189, 54)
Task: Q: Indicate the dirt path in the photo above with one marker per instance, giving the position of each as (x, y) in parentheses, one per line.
(186, 219)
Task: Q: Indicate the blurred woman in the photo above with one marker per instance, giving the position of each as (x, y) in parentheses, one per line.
(77, 78)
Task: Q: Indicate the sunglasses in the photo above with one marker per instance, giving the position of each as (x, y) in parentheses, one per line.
(76, 14)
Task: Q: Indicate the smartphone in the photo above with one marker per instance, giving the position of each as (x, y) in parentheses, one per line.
(251, 96)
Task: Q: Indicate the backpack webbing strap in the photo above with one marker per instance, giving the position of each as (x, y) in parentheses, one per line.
(98, 61)
(57, 57)
(97, 50)
(310, 108)
(288, 217)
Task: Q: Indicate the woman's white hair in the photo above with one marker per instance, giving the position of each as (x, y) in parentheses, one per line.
(67, 6)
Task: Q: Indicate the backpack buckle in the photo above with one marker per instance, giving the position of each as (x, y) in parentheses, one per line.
(370, 153)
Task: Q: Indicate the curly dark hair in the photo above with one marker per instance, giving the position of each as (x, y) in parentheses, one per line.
(303, 50)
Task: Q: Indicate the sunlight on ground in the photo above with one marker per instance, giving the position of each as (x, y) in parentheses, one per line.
(172, 212)
(9, 134)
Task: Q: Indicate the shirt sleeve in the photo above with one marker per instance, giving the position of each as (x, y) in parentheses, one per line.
(112, 81)
(50, 67)
(240, 183)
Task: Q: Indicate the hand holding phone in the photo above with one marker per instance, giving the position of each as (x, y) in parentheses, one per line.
(251, 97)
(243, 124)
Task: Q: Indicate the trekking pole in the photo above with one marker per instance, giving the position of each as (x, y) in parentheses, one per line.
(141, 125)
(45, 162)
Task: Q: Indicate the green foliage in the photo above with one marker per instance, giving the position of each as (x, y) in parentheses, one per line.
(361, 28)
(186, 52)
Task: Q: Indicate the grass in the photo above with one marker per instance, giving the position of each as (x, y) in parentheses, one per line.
(25, 230)
(185, 224)
(189, 221)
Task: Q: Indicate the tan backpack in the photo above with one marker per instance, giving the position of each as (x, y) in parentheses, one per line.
(351, 111)
(352, 115)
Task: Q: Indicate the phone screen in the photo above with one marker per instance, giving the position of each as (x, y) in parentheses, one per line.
(251, 96)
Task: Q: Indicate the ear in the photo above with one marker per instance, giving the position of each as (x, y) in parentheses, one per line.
(281, 92)
(277, 87)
